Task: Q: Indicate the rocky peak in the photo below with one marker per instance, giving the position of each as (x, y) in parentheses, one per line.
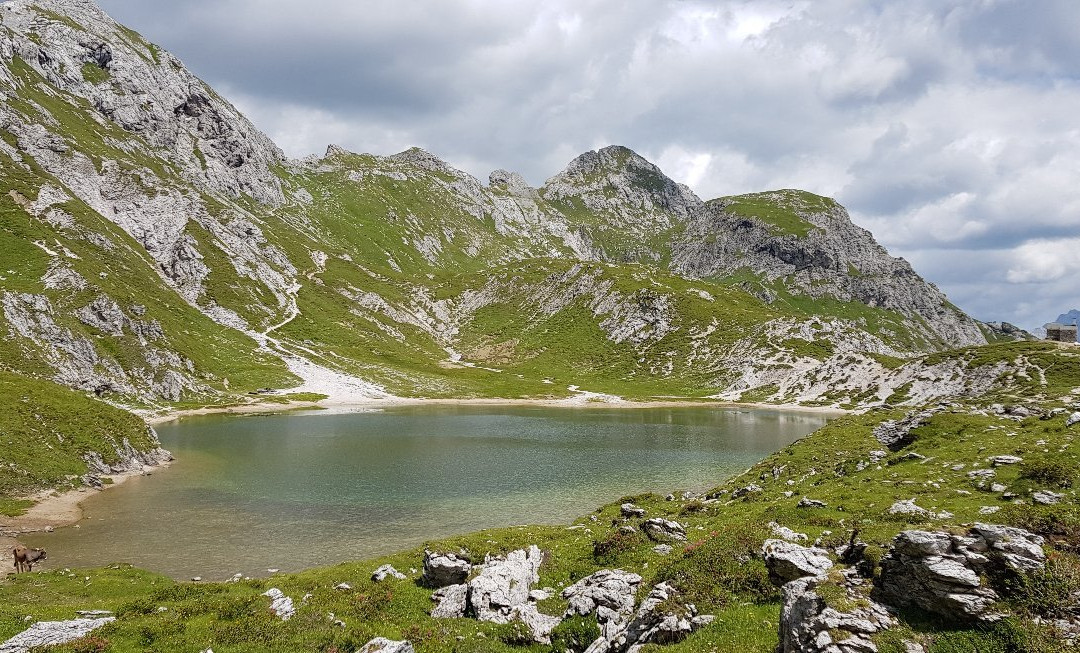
(617, 172)
(76, 48)
(796, 242)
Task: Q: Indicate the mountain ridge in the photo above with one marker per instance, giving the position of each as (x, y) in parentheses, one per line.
(385, 273)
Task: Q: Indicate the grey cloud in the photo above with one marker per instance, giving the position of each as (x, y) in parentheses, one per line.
(944, 127)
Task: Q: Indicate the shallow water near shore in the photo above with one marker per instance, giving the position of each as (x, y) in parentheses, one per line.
(288, 492)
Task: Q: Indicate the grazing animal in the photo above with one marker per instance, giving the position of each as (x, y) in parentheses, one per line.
(25, 558)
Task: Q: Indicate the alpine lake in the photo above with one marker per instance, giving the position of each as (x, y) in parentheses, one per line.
(257, 494)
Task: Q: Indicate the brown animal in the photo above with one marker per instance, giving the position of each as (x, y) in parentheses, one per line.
(25, 558)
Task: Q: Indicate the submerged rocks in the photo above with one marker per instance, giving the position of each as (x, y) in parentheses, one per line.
(51, 633)
(442, 569)
(787, 561)
(941, 573)
(659, 529)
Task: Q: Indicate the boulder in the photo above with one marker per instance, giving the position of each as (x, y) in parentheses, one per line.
(610, 593)
(452, 601)
(660, 619)
(630, 510)
(809, 625)
(500, 593)
(658, 528)
(442, 569)
(788, 561)
(386, 571)
(280, 605)
(1072, 419)
(1047, 498)
(908, 507)
(998, 461)
(942, 573)
(810, 503)
(504, 583)
(383, 645)
(896, 434)
(743, 491)
(1016, 548)
(785, 533)
(51, 633)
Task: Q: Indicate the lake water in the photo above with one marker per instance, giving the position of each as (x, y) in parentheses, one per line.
(294, 491)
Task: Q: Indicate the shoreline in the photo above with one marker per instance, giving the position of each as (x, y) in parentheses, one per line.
(332, 405)
(55, 510)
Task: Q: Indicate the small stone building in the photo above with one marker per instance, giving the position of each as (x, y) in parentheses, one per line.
(1061, 332)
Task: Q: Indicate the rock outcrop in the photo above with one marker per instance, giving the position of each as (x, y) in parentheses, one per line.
(662, 618)
(52, 633)
(442, 569)
(281, 605)
(384, 645)
(942, 573)
(809, 625)
(500, 592)
(787, 561)
(610, 594)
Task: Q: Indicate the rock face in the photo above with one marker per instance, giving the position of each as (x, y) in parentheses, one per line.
(809, 625)
(940, 573)
(787, 561)
(442, 569)
(815, 254)
(50, 633)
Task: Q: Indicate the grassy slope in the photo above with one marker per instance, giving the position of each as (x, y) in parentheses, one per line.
(46, 429)
(120, 269)
(718, 569)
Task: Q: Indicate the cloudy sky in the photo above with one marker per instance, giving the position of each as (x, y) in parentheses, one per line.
(949, 129)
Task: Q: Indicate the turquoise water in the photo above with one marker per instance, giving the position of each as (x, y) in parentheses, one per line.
(287, 492)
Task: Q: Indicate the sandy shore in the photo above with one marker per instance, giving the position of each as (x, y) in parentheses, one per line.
(52, 510)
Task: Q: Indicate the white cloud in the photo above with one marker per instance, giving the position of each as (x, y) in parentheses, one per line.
(949, 129)
(1039, 261)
